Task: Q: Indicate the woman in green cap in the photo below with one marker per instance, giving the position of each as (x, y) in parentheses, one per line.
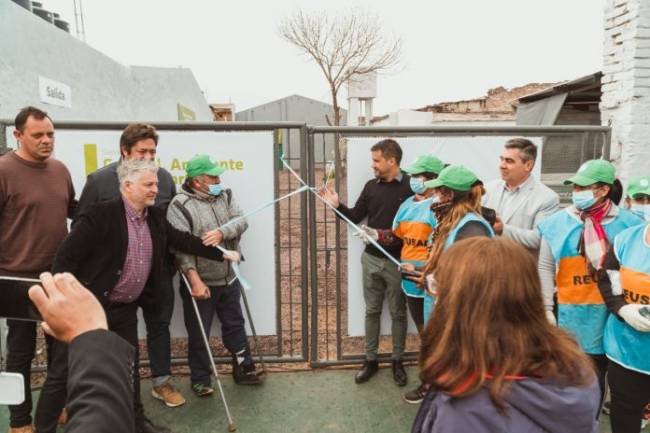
(414, 224)
(456, 204)
(625, 287)
(637, 199)
(574, 245)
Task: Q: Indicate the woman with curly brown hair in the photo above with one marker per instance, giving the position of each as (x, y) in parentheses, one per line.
(493, 360)
(457, 194)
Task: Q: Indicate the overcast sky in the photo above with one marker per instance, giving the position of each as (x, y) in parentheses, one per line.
(453, 49)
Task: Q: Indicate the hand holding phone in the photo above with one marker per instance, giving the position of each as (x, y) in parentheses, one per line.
(409, 272)
(14, 301)
(68, 308)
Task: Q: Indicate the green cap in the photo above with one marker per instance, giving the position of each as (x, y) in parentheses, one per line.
(202, 164)
(593, 171)
(455, 177)
(425, 164)
(639, 185)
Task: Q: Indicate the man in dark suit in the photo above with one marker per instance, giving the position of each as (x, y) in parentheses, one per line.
(140, 141)
(117, 249)
(100, 389)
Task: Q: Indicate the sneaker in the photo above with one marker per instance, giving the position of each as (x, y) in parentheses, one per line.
(23, 429)
(246, 374)
(243, 368)
(168, 394)
(202, 390)
(416, 395)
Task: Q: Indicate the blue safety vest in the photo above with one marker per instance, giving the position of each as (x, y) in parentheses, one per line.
(624, 344)
(413, 224)
(581, 308)
(430, 300)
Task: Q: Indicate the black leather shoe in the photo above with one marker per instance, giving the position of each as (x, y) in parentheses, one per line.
(149, 427)
(367, 371)
(399, 374)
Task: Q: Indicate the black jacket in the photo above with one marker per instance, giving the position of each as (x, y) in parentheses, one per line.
(100, 384)
(95, 250)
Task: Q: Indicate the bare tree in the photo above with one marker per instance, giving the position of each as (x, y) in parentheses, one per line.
(345, 46)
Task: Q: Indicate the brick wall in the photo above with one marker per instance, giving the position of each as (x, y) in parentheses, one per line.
(498, 100)
(625, 103)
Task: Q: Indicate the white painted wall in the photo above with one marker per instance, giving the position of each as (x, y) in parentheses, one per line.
(101, 88)
(625, 103)
(406, 118)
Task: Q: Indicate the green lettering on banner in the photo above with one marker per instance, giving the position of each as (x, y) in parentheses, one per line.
(178, 164)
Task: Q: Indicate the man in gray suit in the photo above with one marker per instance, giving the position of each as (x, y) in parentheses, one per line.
(520, 200)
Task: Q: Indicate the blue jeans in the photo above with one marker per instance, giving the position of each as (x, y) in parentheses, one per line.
(225, 302)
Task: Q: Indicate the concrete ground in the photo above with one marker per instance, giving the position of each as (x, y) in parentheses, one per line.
(299, 402)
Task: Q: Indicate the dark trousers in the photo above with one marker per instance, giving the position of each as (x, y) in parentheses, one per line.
(157, 318)
(54, 391)
(601, 362)
(225, 302)
(21, 347)
(123, 320)
(416, 309)
(630, 394)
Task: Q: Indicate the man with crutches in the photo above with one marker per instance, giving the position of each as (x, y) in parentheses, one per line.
(205, 204)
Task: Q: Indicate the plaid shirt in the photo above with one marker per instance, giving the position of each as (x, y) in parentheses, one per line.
(137, 265)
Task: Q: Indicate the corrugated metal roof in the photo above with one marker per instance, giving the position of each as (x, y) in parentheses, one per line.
(588, 82)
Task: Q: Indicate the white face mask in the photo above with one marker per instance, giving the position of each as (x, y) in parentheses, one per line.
(642, 210)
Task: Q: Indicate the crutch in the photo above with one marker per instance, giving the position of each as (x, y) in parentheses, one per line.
(244, 285)
(231, 423)
(252, 325)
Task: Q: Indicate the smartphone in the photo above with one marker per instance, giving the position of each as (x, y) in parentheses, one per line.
(407, 274)
(490, 215)
(645, 312)
(12, 388)
(14, 301)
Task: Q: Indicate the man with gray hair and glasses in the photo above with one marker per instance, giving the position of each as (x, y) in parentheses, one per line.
(116, 249)
(520, 200)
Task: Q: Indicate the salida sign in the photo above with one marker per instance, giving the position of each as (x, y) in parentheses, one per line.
(54, 93)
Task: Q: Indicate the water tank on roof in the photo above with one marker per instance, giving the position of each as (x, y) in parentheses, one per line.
(27, 4)
(63, 25)
(44, 13)
(363, 86)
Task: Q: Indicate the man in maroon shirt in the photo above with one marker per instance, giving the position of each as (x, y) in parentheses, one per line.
(36, 198)
(117, 249)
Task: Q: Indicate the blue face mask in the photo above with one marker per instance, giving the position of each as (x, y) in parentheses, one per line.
(215, 189)
(642, 210)
(583, 199)
(417, 185)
